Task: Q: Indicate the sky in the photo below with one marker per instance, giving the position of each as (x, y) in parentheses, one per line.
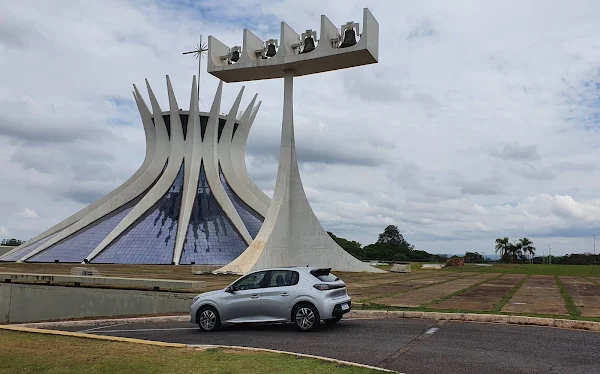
(480, 120)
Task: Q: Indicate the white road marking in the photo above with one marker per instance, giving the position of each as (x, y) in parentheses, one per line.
(432, 331)
(102, 327)
(144, 330)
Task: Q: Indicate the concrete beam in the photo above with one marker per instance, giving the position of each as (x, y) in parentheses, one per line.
(326, 57)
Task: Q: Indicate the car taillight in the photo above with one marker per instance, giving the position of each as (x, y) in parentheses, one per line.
(322, 287)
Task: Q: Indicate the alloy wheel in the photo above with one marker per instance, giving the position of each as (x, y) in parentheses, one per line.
(305, 318)
(208, 319)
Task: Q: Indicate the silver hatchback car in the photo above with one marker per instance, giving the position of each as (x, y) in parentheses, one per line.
(301, 295)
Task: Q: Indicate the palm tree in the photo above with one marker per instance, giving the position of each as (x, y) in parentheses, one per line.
(516, 251)
(527, 246)
(502, 245)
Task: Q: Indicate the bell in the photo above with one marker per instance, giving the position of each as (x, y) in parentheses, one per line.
(349, 38)
(309, 44)
(271, 50)
(235, 56)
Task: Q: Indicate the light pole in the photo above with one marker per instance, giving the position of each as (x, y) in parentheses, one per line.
(594, 249)
(549, 254)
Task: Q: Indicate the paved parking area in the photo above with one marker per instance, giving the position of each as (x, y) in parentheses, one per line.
(409, 346)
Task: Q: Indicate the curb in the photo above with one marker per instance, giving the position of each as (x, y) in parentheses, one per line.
(90, 336)
(487, 318)
(202, 347)
(104, 322)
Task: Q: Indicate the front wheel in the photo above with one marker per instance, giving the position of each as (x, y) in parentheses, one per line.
(306, 317)
(208, 319)
(333, 321)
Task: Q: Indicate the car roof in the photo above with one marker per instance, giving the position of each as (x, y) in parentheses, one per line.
(297, 268)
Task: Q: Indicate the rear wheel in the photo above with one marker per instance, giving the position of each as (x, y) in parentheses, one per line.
(208, 319)
(332, 321)
(306, 317)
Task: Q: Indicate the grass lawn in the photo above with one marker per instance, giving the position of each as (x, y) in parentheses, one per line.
(574, 270)
(37, 353)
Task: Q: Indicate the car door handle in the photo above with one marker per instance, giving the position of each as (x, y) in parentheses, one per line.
(254, 296)
(285, 294)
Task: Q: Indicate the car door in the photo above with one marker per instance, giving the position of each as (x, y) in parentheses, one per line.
(278, 294)
(242, 303)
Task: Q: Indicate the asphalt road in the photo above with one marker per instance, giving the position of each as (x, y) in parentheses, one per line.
(407, 345)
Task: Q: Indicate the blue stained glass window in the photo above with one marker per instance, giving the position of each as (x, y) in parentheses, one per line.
(252, 220)
(211, 237)
(235, 127)
(16, 256)
(222, 122)
(151, 239)
(184, 122)
(203, 124)
(76, 247)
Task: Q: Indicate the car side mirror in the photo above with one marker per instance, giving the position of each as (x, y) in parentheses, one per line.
(229, 289)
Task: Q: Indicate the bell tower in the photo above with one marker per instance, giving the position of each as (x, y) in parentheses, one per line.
(291, 234)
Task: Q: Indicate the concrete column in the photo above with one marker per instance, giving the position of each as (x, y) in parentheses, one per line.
(291, 234)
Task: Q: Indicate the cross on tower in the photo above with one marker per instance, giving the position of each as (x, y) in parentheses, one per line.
(199, 52)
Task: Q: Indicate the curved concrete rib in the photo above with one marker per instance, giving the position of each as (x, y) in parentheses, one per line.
(225, 160)
(211, 167)
(291, 234)
(238, 153)
(167, 178)
(150, 149)
(192, 161)
(134, 186)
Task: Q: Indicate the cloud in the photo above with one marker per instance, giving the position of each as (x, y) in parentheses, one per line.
(28, 213)
(483, 187)
(462, 132)
(517, 152)
(3, 231)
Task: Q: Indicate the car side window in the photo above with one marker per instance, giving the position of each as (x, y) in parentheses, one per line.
(250, 281)
(282, 278)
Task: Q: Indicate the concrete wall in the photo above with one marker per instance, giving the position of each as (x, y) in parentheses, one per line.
(29, 303)
(5, 249)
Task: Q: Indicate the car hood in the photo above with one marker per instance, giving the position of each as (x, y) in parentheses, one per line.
(204, 295)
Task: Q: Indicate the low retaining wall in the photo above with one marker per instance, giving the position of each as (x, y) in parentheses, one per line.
(4, 249)
(30, 303)
(165, 284)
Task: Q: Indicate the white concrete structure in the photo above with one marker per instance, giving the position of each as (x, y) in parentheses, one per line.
(178, 207)
(192, 200)
(291, 234)
(400, 268)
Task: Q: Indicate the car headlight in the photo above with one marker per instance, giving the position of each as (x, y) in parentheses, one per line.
(196, 298)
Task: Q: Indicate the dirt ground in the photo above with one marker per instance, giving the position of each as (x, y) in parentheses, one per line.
(425, 295)
(483, 297)
(539, 295)
(585, 295)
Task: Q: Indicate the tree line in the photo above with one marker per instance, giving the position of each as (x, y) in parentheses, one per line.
(11, 242)
(390, 246)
